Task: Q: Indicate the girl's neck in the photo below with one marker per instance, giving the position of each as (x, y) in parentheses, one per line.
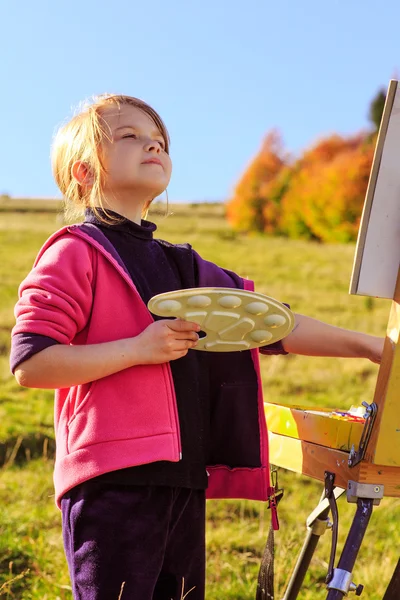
(132, 209)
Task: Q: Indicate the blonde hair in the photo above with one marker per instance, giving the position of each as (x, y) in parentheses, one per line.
(80, 140)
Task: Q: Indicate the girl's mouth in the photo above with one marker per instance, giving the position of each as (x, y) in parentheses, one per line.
(152, 161)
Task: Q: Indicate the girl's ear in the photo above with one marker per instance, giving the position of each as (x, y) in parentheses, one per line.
(82, 173)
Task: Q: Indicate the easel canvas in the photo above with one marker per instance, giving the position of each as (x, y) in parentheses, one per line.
(377, 255)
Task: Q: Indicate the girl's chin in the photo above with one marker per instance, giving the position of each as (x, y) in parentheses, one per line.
(155, 179)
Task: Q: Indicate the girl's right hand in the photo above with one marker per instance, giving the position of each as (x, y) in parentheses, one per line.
(166, 340)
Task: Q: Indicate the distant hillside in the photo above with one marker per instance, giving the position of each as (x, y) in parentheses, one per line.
(55, 205)
(8, 204)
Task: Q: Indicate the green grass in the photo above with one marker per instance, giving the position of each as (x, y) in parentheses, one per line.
(314, 279)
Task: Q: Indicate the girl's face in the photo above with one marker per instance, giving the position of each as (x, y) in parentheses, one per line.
(135, 160)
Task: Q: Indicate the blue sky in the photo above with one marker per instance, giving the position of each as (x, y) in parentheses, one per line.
(220, 72)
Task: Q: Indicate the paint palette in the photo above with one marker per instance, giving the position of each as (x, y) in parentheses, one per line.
(230, 319)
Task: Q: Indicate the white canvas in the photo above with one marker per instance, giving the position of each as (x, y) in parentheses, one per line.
(377, 256)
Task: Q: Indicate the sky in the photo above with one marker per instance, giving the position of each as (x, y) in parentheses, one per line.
(222, 73)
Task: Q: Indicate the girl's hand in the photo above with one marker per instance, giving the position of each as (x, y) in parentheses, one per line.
(166, 340)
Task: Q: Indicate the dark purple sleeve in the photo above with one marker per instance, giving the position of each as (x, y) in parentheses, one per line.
(210, 275)
(25, 345)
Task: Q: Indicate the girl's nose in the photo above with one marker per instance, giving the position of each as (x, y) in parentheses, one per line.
(152, 146)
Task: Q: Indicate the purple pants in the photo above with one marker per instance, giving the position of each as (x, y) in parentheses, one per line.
(134, 542)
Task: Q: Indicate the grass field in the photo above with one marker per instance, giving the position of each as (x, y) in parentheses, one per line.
(314, 279)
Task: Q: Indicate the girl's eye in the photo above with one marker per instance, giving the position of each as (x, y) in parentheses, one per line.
(130, 135)
(162, 144)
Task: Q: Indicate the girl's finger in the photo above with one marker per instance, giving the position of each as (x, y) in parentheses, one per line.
(181, 325)
(187, 335)
(183, 345)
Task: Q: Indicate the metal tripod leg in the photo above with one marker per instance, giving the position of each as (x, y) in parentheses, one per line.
(317, 524)
(366, 496)
(340, 583)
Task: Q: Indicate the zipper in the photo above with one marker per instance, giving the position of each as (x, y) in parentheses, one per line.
(75, 231)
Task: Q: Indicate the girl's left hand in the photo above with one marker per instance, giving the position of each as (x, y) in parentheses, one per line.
(374, 349)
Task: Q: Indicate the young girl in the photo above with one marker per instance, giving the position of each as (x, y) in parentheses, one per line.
(143, 425)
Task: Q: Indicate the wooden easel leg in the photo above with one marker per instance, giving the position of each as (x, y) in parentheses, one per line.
(341, 582)
(393, 590)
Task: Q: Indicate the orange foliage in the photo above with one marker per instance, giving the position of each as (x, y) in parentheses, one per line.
(320, 196)
(327, 191)
(328, 148)
(245, 210)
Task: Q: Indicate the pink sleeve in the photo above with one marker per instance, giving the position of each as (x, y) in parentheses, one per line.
(55, 299)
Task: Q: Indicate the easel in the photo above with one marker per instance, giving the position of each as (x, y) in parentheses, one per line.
(359, 458)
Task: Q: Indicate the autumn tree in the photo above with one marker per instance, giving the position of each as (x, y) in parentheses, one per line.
(319, 196)
(246, 210)
(328, 189)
